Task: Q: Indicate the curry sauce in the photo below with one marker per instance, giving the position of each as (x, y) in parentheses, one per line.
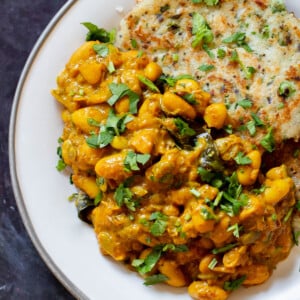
(169, 192)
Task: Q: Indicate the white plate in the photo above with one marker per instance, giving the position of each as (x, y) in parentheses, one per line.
(67, 245)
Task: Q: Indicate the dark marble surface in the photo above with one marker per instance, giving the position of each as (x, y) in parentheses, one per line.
(23, 275)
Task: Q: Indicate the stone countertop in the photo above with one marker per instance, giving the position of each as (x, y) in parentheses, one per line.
(23, 274)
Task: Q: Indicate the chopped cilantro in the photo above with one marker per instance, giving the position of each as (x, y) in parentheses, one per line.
(98, 198)
(61, 165)
(206, 68)
(265, 31)
(213, 263)
(268, 141)
(245, 103)
(207, 2)
(132, 160)
(190, 98)
(221, 53)
(195, 192)
(201, 31)
(296, 235)
(183, 127)
(208, 51)
(242, 159)
(115, 125)
(235, 229)
(160, 223)
(121, 90)
(155, 279)
(234, 284)
(238, 38)
(134, 43)
(101, 50)
(207, 214)
(278, 6)
(288, 215)
(124, 196)
(148, 83)
(145, 265)
(223, 249)
(249, 72)
(286, 89)
(111, 67)
(171, 81)
(98, 34)
(259, 190)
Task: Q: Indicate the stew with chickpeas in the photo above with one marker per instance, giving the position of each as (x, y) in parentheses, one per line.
(169, 192)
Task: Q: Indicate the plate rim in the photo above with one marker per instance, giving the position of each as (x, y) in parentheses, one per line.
(55, 270)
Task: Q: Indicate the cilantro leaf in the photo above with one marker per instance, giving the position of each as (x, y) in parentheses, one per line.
(201, 31)
(206, 68)
(245, 103)
(148, 83)
(124, 196)
(183, 127)
(171, 81)
(98, 34)
(268, 141)
(235, 284)
(121, 90)
(207, 214)
(144, 266)
(154, 279)
(235, 229)
(160, 223)
(61, 165)
(115, 125)
(132, 159)
(223, 249)
(207, 2)
(278, 6)
(101, 50)
(238, 38)
(242, 159)
(213, 263)
(286, 89)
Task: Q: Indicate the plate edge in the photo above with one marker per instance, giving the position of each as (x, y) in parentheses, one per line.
(56, 271)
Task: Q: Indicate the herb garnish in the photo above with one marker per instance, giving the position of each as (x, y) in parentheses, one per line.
(235, 229)
(206, 68)
(235, 284)
(183, 127)
(238, 38)
(223, 249)
(115, 125)
(207, 2)
(124, 196)
(101, 50)
(98, 34)
(201, 31)
(146, 264)
(121, 90)
(242, 159)
(245, 103)
(132, 160)
(160, 223)
(148, 83)
(61, 165)
(268, 141)
(286, 89)
(154, 279)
